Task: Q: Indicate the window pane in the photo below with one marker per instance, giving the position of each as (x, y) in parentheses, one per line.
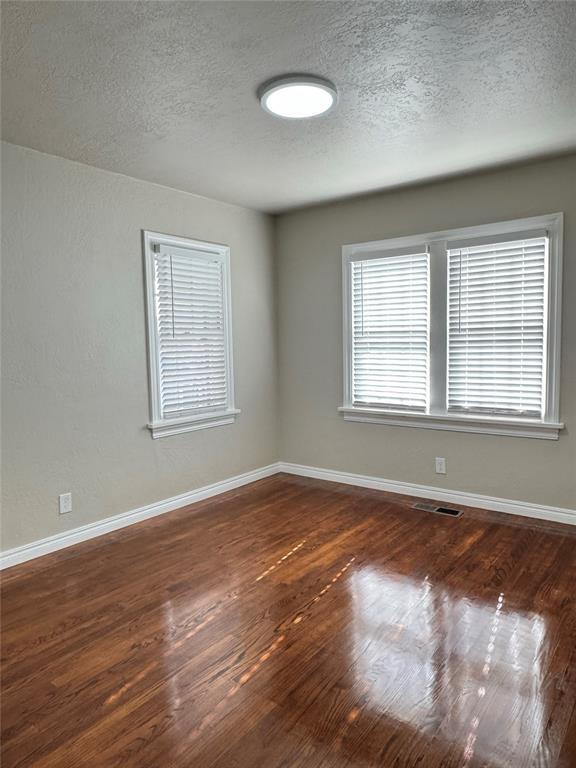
(189, 292)
(390, 332)
(496, 327)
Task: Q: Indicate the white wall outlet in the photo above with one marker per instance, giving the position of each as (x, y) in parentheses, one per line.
(440, 465)
(65, 501)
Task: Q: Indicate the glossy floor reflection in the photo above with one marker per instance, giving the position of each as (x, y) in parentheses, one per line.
(296, 623)
(431, 653)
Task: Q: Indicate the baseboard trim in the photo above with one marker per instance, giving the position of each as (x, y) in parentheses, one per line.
(36, 549)
(85, 532)
(527, 509)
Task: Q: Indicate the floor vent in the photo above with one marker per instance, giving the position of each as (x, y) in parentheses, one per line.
(438, 510)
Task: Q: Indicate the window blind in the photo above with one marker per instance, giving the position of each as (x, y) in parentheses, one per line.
(497, 327)
(390, 331)
(191, 333)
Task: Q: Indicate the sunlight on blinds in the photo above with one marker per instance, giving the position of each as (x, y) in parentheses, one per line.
(497, 328)
(390, 331)
(189, 294)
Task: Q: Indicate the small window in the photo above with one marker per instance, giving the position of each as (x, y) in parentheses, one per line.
(189, 334)
(456, 330)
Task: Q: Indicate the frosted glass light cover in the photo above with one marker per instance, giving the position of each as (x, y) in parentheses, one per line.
(298, 97)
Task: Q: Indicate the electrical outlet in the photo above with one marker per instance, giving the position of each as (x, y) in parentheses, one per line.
(65, 501)
(440, 465)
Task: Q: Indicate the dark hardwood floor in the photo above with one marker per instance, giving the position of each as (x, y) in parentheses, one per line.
(296, 623)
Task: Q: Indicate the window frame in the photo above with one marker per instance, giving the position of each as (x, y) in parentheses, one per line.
(205, 418)
(437, 415)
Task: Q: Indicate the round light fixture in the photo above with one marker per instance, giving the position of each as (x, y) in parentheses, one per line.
(297, 96)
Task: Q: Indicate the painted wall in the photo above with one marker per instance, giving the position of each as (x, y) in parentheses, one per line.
(310, 338)
(75, 388)
(74, 373)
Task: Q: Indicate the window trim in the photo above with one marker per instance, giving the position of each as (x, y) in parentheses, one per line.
(159, 426)
(437, 416)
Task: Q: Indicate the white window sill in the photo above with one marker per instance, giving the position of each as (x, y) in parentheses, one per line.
(456, 423)
(169, 427)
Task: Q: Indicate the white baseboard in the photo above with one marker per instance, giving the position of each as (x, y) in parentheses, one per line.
(76, 535)
(554, 514)
(61, 540)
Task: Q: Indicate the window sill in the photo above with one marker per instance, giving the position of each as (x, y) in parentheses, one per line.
(461, 423)
(190, 423)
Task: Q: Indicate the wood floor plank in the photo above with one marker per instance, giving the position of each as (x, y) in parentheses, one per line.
(296, 622)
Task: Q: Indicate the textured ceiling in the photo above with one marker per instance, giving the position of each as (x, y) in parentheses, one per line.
(165, 91)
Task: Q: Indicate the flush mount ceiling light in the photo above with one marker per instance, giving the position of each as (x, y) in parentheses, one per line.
(297, 96)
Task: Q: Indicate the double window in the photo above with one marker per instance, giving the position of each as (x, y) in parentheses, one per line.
(456, 330)
(189, 334)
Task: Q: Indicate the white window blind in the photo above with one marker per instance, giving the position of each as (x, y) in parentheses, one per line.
(390, 331)
(497, 327)
(190, 300)
(189, 334)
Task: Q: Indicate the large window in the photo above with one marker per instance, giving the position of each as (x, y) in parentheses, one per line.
(189, 334)
(456, 330)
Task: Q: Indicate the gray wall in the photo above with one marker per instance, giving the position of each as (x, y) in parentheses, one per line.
(310, 338)
(75, 390)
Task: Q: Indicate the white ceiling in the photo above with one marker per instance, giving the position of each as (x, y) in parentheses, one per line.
(165, 91)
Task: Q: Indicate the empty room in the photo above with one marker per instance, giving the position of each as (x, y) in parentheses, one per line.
(288, 384)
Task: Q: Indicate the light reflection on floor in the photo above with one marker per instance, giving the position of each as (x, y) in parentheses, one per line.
(466, 671)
